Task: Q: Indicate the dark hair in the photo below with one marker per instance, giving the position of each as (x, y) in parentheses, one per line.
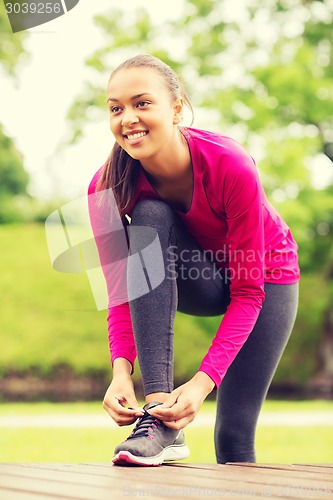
(120, 172)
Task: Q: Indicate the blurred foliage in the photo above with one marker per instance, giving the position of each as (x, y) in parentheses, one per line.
(16, 205)
(13, 178)
(265, 76)
(262, 75)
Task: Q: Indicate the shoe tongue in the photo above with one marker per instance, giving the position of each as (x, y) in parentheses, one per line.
(151, 405)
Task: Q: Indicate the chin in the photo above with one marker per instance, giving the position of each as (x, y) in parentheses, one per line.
(138, 156)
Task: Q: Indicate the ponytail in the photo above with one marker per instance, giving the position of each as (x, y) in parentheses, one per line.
(120, 173)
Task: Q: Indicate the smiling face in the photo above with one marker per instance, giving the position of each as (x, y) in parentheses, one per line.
(143, 113)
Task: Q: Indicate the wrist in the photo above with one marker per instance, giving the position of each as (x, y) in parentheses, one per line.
(121, 366)
(205, 381)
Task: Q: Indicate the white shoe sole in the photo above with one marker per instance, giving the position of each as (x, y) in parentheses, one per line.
(170, 453)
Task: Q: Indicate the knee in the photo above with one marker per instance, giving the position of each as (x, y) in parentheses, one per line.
(152, 213)
(235, 435)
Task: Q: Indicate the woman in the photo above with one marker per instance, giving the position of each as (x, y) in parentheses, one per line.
(225, 250)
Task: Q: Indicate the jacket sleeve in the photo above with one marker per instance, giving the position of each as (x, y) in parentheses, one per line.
(242, 205)
(111, 241)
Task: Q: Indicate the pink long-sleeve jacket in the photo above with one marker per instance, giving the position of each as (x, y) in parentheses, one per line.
(231, 218)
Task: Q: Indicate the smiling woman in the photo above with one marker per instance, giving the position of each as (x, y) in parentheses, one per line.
(198, 193)
(148, 123)
(145, 106)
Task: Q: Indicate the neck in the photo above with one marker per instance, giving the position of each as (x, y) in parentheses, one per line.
(163, 170)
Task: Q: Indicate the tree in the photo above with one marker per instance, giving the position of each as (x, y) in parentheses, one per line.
(13, 178)
(264, 75)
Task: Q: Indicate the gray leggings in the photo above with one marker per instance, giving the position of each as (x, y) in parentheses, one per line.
(244, 387)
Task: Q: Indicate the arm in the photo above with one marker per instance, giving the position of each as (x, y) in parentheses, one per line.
(242, 204)
(110, 238)
(111, 241)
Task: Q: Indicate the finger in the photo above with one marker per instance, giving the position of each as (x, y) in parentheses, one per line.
(134, 406)
(133, 403)
(164, 414)
(138, 413)
(118, 402)
(170, 400)
(123, 412)
(119, 412)
(167, 407)
(120, 418)
(177, 411)
(179, 424)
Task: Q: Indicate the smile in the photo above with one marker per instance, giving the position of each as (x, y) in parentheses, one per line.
(137, 135)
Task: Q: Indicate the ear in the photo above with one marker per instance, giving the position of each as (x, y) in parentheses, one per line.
(178, 110)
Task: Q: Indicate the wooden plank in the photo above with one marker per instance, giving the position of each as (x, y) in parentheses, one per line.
(58, 488)
(293, 482)
(163, 484)
(288, 483)
(23, 495)
(290, 471)
(71, 475)
(210, 485)
(326, 466)
(37, 488)
(103, 481)
(210, 472)
(221, 476)
(322, 470)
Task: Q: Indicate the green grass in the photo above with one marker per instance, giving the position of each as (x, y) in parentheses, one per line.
(49, 318)
(297, 406)
(274, 444)
(46, 408)
(295, 444)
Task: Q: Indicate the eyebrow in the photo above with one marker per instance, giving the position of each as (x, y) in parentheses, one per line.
(132, 98)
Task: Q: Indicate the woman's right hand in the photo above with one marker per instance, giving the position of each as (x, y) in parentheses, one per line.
(119, 393)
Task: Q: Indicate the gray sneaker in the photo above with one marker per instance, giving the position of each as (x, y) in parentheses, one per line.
(151, 443)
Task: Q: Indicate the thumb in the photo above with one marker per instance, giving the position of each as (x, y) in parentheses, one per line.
(133, 403)
(128, 397)
(171, 399)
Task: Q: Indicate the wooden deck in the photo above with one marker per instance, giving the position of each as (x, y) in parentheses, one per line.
(103, 481)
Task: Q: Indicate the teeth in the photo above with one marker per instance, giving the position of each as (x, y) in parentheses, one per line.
(136, 136)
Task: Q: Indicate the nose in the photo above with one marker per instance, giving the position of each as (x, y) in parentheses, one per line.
(129, 117)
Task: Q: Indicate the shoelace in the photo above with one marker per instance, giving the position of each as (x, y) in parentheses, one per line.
(144, 424)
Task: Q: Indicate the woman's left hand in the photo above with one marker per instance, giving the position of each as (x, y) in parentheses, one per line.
(183, 403)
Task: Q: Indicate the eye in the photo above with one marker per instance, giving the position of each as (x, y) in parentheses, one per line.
(115, 109)
(143, 104)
